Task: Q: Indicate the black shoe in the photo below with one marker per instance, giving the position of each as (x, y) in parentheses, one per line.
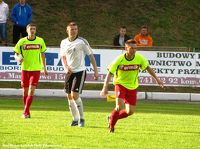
(112, 130)
(74, 123)
(81, 123)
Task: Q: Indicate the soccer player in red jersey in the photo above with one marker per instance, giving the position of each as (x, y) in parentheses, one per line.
(125, 69)
(29, 51)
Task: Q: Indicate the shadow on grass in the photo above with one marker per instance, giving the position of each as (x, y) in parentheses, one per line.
(166, 107)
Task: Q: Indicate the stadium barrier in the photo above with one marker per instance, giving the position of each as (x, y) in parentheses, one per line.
(173, 67)
(88, 94)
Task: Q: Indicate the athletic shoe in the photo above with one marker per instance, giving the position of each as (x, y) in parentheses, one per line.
(112, 130)
(26, 116)
(74, 123)
(82, 123)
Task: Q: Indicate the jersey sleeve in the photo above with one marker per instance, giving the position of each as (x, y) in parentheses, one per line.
(115, 64)
(144, 63)
(43, 48)
(17, 48)
(87, 49)
(62, 51)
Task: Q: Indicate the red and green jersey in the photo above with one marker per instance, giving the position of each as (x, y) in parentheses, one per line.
(31, 51)
(126, 71)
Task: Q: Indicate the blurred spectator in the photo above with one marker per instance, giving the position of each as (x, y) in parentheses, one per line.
(21, 16)
(121, 38)
(143, 38)
(4, 11)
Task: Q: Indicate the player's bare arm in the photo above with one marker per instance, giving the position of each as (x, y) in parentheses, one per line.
(92, 60)
(44, 64)
(104, 90)
(152, 73)
(66, 67)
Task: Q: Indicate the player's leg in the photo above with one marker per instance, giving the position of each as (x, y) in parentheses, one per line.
(77, 87)
(72, 104)
(33, 82)
(130, 104)
(115, 113)
(130, 109)
(25, 87)
(73, 110)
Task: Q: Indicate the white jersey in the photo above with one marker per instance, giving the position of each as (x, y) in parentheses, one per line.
(75, 52)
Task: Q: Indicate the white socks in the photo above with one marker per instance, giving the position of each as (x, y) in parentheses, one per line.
(79, 104)
(74, 110)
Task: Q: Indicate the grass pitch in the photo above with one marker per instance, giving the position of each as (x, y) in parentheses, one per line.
(154, 125)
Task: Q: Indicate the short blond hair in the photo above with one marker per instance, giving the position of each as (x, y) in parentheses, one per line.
(31, 25)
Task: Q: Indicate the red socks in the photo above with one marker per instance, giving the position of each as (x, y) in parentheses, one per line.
(115, 115)
(27, 105)
(122, 114)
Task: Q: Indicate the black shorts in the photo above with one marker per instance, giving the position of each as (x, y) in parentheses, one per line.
(75, 82)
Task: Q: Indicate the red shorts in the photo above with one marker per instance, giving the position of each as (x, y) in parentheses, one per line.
(30, 78)
(129, 96)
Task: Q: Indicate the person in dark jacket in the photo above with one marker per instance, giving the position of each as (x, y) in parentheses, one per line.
(21, 16)
(121, 38)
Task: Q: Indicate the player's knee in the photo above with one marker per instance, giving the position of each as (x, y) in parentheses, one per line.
(130, 112)
(118, 108)
(31, 90)
(74, 97)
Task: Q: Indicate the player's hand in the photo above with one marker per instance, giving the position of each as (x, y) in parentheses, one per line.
(68, 70)
(160, 83)
(104, 92)
(45, 73)
(96, 75)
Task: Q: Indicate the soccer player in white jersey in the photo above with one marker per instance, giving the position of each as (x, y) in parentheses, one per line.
(73, 50)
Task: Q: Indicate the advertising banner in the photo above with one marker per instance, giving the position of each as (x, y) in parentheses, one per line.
(173, 68)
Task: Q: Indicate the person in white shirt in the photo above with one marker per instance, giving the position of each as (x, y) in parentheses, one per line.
(4, 12)
(73, 50)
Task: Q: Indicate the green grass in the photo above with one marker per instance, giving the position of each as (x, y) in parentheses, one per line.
(154, 125)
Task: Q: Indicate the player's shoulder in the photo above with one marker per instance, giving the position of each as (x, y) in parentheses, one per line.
(139, 56)
(39, 38)
(81, 39)
(119, 58)
(65, 40)
(22, 40)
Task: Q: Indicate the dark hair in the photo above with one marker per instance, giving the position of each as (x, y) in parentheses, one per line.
(130, 41)
(144, 26)
(72, 23)
(124, 27)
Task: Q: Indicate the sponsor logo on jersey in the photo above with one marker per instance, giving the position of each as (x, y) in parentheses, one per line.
(31, 47)
(129, 67)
